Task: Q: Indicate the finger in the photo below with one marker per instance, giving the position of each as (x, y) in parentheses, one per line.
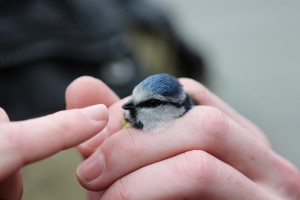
(28, 141)
(204, 128)
(289, 174)
(203, 96)
(86, 91)
(192, 175)
(11, 187)
(3, 116)
(113, 125)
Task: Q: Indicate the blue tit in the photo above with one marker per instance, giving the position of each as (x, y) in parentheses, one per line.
(155, 101)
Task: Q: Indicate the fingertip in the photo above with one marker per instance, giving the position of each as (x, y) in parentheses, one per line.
(96, 112)
(83, 80)
(77, 93)
(197, 91)
(189, 81)
(86, 90)
(89, 172)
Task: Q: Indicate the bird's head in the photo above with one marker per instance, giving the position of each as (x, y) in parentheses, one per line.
(155, 101)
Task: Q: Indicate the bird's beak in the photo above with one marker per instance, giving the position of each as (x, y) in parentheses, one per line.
(129, 105)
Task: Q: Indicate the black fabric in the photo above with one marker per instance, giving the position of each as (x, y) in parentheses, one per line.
(46, 44)
(77, 30)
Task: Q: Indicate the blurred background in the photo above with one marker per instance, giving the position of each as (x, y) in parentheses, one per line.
(253, 53)
(247, 52)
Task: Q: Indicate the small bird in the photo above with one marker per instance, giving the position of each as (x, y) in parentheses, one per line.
(155, 101)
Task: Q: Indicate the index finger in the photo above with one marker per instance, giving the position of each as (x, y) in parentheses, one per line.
(28, 141)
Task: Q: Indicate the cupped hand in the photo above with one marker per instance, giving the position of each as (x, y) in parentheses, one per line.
(212, 152)
(28, 141)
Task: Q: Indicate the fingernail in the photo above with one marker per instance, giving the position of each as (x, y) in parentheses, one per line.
(91, 168)
(96, 112)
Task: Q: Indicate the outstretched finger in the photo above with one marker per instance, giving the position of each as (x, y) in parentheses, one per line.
(28, 141)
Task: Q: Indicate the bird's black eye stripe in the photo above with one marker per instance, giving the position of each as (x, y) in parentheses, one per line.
(152, 103)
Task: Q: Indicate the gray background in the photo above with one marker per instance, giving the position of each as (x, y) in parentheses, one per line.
(253, 51)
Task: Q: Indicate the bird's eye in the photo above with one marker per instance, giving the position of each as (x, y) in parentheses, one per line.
(154, 103)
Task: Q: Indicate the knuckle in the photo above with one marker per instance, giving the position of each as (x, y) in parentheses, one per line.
(58, 124)
(196, 167)
(11, 138)
(10, 133)
(59, 127)
(215, 123)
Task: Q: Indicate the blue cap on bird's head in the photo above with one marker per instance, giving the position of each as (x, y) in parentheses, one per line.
(163, 84)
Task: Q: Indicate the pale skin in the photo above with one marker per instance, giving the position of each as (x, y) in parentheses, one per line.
(210, 153)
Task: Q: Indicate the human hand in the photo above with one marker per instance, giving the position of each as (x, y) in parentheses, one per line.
(28, 141)
(212, 152)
